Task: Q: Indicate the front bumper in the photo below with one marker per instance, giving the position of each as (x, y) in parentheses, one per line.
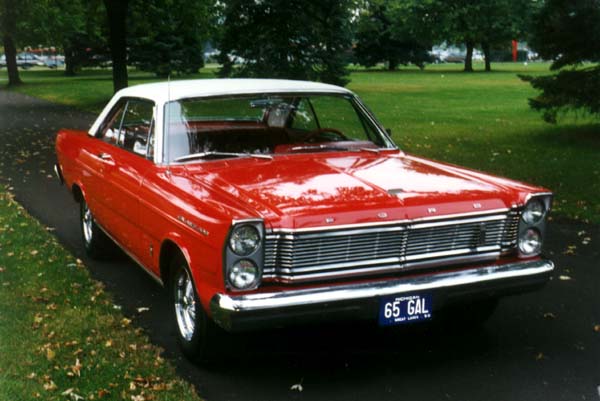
(361, 301)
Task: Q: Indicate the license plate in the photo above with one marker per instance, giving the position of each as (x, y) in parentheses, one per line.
(400, 309)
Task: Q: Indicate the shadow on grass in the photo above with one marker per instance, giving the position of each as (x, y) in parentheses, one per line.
(573, 136)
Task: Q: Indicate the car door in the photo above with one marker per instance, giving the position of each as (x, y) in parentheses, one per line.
(132, 162)
(98, 160)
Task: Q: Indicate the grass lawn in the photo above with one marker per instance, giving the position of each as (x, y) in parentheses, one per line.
(61, 337)
(479, 120)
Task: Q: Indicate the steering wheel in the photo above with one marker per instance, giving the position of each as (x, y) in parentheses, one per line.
(330, 134)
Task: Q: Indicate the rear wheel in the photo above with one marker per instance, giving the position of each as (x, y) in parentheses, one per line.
(96, 243)
(197, 334)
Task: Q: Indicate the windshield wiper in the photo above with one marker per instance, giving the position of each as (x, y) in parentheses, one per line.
(204, 155)
(320, 148)
(373, 150)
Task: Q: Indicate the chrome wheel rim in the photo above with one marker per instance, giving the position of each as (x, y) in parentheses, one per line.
(87, 221)
(185, 305)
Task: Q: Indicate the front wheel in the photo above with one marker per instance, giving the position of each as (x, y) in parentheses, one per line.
(96, 243)
(197, 334)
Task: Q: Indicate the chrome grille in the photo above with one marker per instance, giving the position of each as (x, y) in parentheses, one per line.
(326, 254)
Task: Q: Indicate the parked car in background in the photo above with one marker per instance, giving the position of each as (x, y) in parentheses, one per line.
(24, 60)
(264, 203)
(53, 62)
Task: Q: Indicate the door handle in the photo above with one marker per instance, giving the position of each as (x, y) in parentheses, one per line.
(104, 156)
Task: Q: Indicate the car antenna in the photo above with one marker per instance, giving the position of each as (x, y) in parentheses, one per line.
(166, 123)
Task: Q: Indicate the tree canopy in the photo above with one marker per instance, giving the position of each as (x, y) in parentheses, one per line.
(293, 39)
(566, 31)
(392, 31)
(165, 42)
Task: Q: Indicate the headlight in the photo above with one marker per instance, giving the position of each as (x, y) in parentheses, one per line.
(534, 211)
(530, 242)
(244, 274)
(244, 240)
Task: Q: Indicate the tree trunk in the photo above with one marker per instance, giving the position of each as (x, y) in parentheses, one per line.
(8, 23)
(487, 55)
(469, 57)
(70, 68)
(392, 64)
(11, 61)
(117, 22)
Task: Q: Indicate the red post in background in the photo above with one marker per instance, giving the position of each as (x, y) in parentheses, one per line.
(514, 50)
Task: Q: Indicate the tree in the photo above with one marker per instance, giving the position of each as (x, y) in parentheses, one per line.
(566, 32)
(116, 11)
(79, 31)
(164, 41)
(9, 15)
(472, 22)
(286, 39)
(388, 31)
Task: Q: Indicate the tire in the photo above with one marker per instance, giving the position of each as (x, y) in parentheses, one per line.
(96, 243)
(197, 334)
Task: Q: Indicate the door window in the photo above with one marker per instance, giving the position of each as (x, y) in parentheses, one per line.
(130, 125)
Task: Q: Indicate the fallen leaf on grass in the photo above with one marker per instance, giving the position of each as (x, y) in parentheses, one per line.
(108, 343)
(549, 315)
(564, 278)
(540, 356)
(50, 386)
(71, 393)
(50, 354)
(597, 328)
(142, 309)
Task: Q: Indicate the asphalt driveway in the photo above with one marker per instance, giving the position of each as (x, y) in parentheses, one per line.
(539, 346)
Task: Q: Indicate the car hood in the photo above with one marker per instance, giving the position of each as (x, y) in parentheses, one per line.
(299, 191)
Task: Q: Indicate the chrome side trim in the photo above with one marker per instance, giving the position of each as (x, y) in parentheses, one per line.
(234, 305)
(321, 229)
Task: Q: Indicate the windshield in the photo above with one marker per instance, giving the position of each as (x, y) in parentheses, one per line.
(267, 125)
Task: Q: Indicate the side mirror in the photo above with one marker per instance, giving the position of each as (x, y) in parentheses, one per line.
(389, 131)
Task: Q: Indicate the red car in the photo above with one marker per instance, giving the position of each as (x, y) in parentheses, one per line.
(261, 203)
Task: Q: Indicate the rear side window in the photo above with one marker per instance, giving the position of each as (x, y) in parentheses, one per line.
(130, 125)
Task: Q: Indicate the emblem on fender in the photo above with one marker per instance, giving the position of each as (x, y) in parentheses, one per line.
(329, 220)
(382, 215)
(431, 210)
(476, 205)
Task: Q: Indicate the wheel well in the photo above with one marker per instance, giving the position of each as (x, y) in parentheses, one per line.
(168, 250)
(77, 193)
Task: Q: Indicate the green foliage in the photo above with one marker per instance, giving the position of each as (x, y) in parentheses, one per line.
(391, 31)
(566, 31)
(292, 39)
(167, 35)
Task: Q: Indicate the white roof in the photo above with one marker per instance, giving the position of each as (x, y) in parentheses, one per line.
(161, 92)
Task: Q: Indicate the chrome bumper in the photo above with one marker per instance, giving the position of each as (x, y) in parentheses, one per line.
(275, 309)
